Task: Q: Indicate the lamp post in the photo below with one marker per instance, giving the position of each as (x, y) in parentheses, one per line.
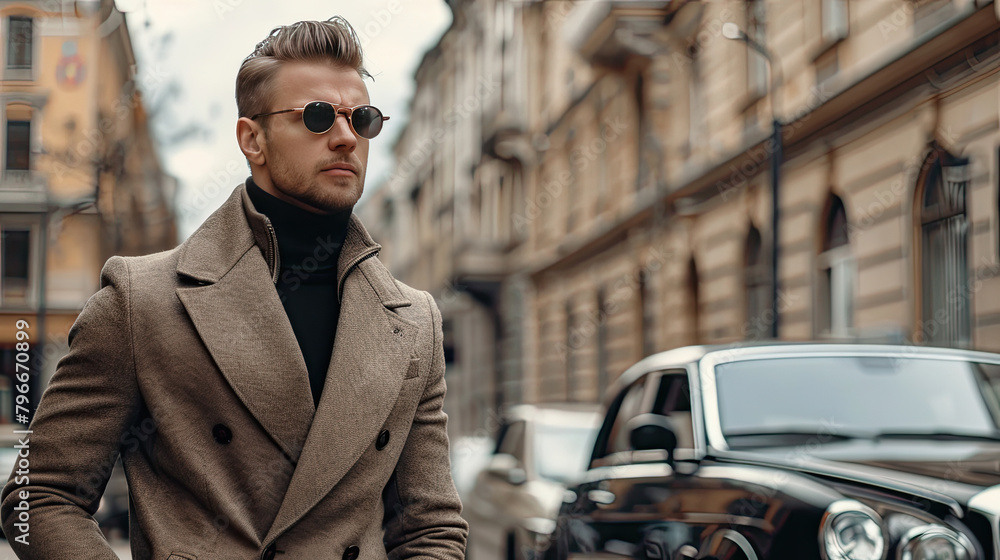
(732, 31)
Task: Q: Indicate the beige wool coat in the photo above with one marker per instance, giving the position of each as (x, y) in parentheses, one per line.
(185, 363)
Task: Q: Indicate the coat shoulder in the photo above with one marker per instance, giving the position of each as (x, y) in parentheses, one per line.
(163, 261)
(421, 300)
(152, 278)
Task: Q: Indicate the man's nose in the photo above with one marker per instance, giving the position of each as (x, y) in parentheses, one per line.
(341, 137)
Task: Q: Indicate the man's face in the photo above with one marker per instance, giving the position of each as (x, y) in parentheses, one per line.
(301, 165)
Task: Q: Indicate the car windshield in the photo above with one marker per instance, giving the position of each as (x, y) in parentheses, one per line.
(562, 452)
(862, 396)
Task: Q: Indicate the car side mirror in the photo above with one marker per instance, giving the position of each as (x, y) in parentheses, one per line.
(506, 467)
(652, 431)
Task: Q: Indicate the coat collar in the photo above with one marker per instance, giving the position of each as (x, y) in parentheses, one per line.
(236, 226)
(237, 313)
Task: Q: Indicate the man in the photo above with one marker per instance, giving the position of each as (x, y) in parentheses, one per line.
(273, 391)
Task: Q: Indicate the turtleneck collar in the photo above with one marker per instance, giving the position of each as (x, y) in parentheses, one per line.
(302, 234)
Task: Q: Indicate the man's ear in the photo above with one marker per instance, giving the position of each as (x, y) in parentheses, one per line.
(250, 136)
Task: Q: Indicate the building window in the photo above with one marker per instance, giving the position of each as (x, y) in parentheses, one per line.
(602, 344)
(756, 63)
(834, 20)
(757, 279)
(577, 162)
(835, 312)
(944, 230)
(19, 43)
(15, 260)
(18, 156)
(8, 377)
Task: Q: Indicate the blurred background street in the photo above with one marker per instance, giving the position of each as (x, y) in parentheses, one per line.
(579, 183)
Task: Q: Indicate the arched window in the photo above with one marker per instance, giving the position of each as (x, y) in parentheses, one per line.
(944, 270)
(835, 312)
(757, 280)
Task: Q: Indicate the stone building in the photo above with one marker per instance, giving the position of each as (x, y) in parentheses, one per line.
(80, 178)
(612, 195)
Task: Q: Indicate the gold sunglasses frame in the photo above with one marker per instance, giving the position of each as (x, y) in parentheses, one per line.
(347, 111)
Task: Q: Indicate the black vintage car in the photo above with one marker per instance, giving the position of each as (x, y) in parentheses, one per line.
(792, 451)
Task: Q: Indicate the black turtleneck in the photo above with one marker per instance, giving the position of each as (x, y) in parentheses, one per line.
(308, 249)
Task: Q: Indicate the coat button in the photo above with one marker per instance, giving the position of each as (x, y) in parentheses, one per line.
(352, 553)
(222, 434)
(383, 440)
(268, 552)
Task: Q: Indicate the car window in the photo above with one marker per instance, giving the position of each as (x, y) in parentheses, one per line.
(852, 396)
(561, 450)
(631, 406)
(512, 440)
(673, 400)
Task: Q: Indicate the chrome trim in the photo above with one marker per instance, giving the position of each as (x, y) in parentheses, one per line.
(987, 503)
(910, 539)
(844, 473)
(710, 403)
(841, 507)
(697, 414)
(618, 472)
(712, 544)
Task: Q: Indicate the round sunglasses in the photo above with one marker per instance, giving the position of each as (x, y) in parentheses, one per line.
(319, 116)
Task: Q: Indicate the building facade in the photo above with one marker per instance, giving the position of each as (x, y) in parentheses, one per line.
(80, 178)
(612, 196)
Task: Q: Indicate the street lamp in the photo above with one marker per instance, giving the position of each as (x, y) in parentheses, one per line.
(732, 31)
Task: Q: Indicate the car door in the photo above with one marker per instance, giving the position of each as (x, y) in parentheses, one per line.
(611, 513)
(496, 500)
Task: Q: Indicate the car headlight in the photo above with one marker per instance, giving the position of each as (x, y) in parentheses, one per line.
(935, 542)
(852, 531)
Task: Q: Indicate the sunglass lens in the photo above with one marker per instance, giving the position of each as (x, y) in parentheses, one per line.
(319, 116)
(367, 121)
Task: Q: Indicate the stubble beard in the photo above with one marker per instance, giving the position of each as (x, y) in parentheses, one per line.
(341, 195)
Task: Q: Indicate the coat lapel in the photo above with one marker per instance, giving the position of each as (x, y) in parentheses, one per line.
(236, 310)
(371, 355)
(237, 313)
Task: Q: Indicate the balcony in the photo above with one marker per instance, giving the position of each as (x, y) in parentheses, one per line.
(22, 191)
(608, 31)
(480, 260)
(506, 137)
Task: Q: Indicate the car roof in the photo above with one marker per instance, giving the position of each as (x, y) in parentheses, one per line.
(556, 412)
(758, 349)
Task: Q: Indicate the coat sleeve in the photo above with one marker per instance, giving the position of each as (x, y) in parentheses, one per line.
(423, 508)
(82, 419)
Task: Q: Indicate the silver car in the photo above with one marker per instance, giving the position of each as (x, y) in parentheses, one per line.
(514, 502)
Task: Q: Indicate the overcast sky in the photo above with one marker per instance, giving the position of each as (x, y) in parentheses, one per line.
(209, 39)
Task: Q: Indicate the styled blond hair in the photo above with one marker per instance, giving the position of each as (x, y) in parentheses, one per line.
(332, 40)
